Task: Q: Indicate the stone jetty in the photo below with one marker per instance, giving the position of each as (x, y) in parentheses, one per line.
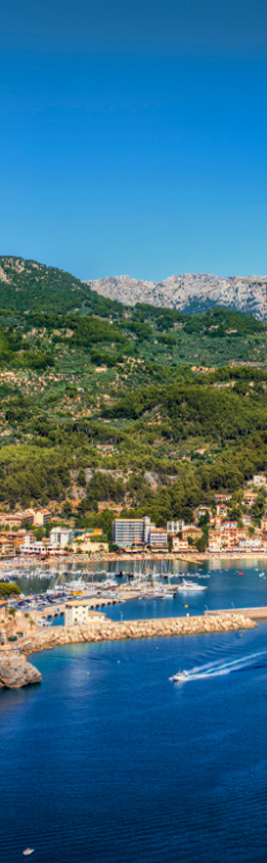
(109, 630)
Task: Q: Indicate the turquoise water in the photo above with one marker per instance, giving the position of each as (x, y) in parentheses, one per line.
(110, 761)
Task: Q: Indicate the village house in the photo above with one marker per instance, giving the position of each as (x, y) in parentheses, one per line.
(249, 497)
(246, 520)
(201, 511)
(259, 480)
(28, 516)
(221, 510)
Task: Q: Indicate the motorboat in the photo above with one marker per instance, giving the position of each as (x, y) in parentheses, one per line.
(27, 852)
(190, 587)
(180, 677)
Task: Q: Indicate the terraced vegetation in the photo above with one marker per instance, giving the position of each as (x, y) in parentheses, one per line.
(109, 408)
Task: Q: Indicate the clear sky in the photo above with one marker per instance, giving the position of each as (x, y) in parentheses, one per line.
(133, 135)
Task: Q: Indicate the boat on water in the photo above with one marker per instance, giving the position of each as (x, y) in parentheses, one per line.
(27, 852)
(180, 677)
(187, 586)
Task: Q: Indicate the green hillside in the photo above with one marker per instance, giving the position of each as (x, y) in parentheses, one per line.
(108, 406)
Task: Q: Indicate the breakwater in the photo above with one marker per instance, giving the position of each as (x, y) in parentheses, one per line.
(109, 630)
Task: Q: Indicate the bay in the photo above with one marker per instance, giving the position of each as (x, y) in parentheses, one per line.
(110, 761)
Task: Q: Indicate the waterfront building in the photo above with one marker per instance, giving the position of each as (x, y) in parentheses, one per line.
(86, 545)
(79, 611)
(179, 544)
(158, 538)
(214, 543)
(131, 531)
(61, 536)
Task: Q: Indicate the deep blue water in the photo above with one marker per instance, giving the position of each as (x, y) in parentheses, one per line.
(110, 762)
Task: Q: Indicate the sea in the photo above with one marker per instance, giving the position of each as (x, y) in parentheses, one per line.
(110, 761)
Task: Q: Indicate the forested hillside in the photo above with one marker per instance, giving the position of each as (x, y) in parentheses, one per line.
(106, 408)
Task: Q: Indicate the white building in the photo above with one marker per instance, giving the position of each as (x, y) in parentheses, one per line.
(158, 538)
(179, 544)
(131, 531)
(259, 480)
(174, 527)
(33, 546)
(61, 536)
(78, 611)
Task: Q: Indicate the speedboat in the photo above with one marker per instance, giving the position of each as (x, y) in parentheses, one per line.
(27, 852)
(180, 677)
(190, 587)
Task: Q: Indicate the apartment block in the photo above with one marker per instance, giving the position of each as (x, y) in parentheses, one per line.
(131, 531)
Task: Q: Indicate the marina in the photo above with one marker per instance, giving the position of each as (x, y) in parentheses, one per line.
(123, 672)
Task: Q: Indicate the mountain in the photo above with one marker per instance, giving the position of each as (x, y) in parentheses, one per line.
(27, 286)
(190, 292)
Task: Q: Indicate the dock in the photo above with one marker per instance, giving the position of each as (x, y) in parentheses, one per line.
(259, 613)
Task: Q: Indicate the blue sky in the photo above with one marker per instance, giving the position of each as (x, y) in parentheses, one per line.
(133, 136)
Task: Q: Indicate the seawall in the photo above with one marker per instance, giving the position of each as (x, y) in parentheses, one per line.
(109, 630)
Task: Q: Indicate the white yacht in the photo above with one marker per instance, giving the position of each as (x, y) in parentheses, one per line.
(190, 587)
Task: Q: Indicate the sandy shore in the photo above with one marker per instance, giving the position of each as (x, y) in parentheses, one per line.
(89, 561)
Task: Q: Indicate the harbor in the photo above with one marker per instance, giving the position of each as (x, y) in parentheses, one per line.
(107, 630)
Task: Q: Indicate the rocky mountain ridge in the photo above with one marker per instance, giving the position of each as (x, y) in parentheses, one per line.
(190, 292)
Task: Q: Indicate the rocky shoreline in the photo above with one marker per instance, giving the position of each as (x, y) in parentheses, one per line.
(117, 631)
(15, 671)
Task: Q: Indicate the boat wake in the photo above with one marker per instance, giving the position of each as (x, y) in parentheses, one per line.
(216, 669)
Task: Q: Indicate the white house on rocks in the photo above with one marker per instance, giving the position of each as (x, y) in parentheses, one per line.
(78, 611)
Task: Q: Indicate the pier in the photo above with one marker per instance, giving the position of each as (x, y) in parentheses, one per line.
(108, 630)
(259, 613)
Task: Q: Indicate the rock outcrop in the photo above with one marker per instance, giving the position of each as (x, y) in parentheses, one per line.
(109, 630)
(15, 671)
(190, 292)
